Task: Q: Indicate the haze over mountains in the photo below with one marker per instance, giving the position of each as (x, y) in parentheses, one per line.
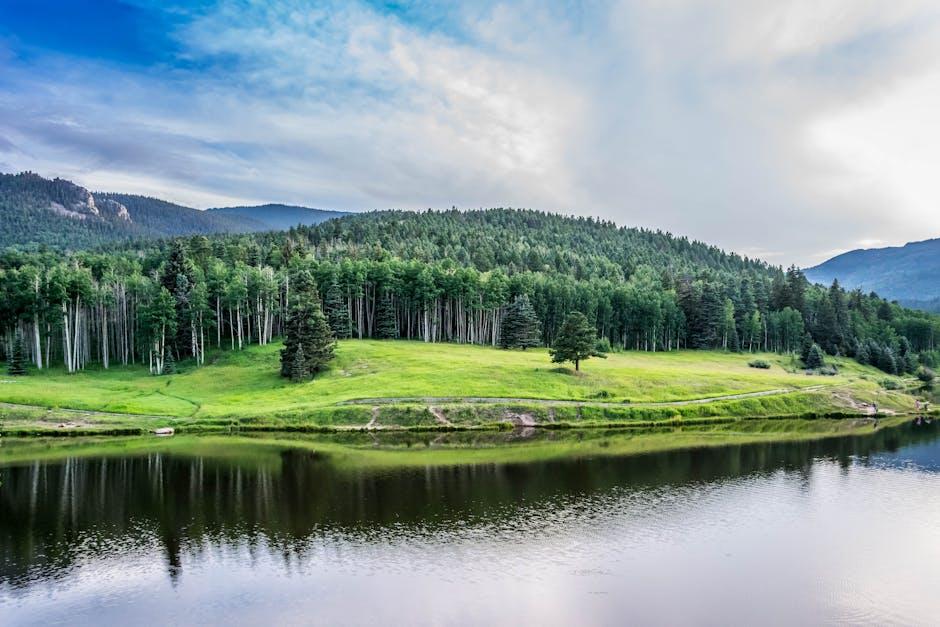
(59, 213)
(909, 274)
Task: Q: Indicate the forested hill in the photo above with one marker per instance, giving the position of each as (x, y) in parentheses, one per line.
(441, 277)
(516, 240)
(35, 211)
(275, 217)
(910, 273)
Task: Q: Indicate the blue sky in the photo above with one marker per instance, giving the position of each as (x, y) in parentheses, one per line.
(786, 130)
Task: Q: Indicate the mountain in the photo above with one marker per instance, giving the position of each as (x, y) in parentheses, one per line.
(279, 217)
(909, 274)
(58, 213)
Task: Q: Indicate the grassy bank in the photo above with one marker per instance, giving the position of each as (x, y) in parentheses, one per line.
(438, 386)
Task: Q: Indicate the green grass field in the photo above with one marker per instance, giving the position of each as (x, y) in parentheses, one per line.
(246, 384)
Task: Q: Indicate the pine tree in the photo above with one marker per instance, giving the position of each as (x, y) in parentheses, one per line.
(520, 327)
(178, 277)
(17, 365)
(337, 311)
(385, 324)
(807, 346)
(576, 341)
(169, 362)
(298, 369)
(306, 329)
(815, 358)
(734, 341)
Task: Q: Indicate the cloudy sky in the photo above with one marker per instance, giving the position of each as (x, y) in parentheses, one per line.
(785, 130)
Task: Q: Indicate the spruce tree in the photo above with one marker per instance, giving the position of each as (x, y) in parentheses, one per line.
(337, 311)
(385, 325)
(169, 362)
(520, 327)
(576, 341)
(815, 358)
(807, 346)
(298, 370)
(306, 329)
(17, 365)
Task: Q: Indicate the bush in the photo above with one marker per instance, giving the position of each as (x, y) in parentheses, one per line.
(829, 371)
(602, 346)
(759, 363)
(890, 384)
(926, 375)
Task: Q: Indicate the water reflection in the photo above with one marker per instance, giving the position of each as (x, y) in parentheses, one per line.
(186, 511)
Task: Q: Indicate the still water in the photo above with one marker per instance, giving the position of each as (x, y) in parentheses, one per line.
(842, 530)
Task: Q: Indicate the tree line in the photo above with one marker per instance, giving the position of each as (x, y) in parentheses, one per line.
(443, 277)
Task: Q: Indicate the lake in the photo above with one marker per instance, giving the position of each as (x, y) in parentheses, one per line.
(364, 529)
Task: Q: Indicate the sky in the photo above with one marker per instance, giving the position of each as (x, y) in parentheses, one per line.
(789, 131)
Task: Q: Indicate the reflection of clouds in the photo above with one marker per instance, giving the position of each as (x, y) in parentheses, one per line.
(701, 118)
(759, 547)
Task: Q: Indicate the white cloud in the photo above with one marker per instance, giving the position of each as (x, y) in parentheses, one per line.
(781, 129)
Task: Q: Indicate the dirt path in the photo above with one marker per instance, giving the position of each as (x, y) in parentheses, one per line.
(375, 418)
(865, 408)
(440, 417)
(392, 400)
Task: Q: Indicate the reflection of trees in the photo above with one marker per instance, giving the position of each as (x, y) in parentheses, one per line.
(185, 504)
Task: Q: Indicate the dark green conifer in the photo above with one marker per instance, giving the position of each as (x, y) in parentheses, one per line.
(17, 364)
(337, 311)
(298, 369)
(169, 362)
(385, 324)
(576, 341)
(815, 358)
(520, 326)
(306, 328)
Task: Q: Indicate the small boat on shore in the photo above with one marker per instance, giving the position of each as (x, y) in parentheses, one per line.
(163, 431)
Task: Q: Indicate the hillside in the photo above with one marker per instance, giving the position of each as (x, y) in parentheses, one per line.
(906, 273)
(518, 240)
(275, 217)
(60, 214)
(417, 385)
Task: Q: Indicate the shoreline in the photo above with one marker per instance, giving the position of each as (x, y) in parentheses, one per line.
(17, 420)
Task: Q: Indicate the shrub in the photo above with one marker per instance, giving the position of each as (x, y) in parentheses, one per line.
(926, 375)
(890, 384)
(829, 371)
(602, 345)
(759, 363)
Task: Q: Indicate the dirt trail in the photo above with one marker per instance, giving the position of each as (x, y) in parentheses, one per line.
(392, 400)
(521, 420)
(865, 408)
(440, 417)
(375, 418)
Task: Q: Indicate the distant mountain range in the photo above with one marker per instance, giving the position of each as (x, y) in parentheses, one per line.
(61, 214)
(909, 274)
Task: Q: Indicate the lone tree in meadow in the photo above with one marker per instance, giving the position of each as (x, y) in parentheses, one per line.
(17, 364)
(576, 341)
(520, 327)
(306, 331)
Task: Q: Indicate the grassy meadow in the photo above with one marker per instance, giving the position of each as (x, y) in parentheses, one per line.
(367, 373)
